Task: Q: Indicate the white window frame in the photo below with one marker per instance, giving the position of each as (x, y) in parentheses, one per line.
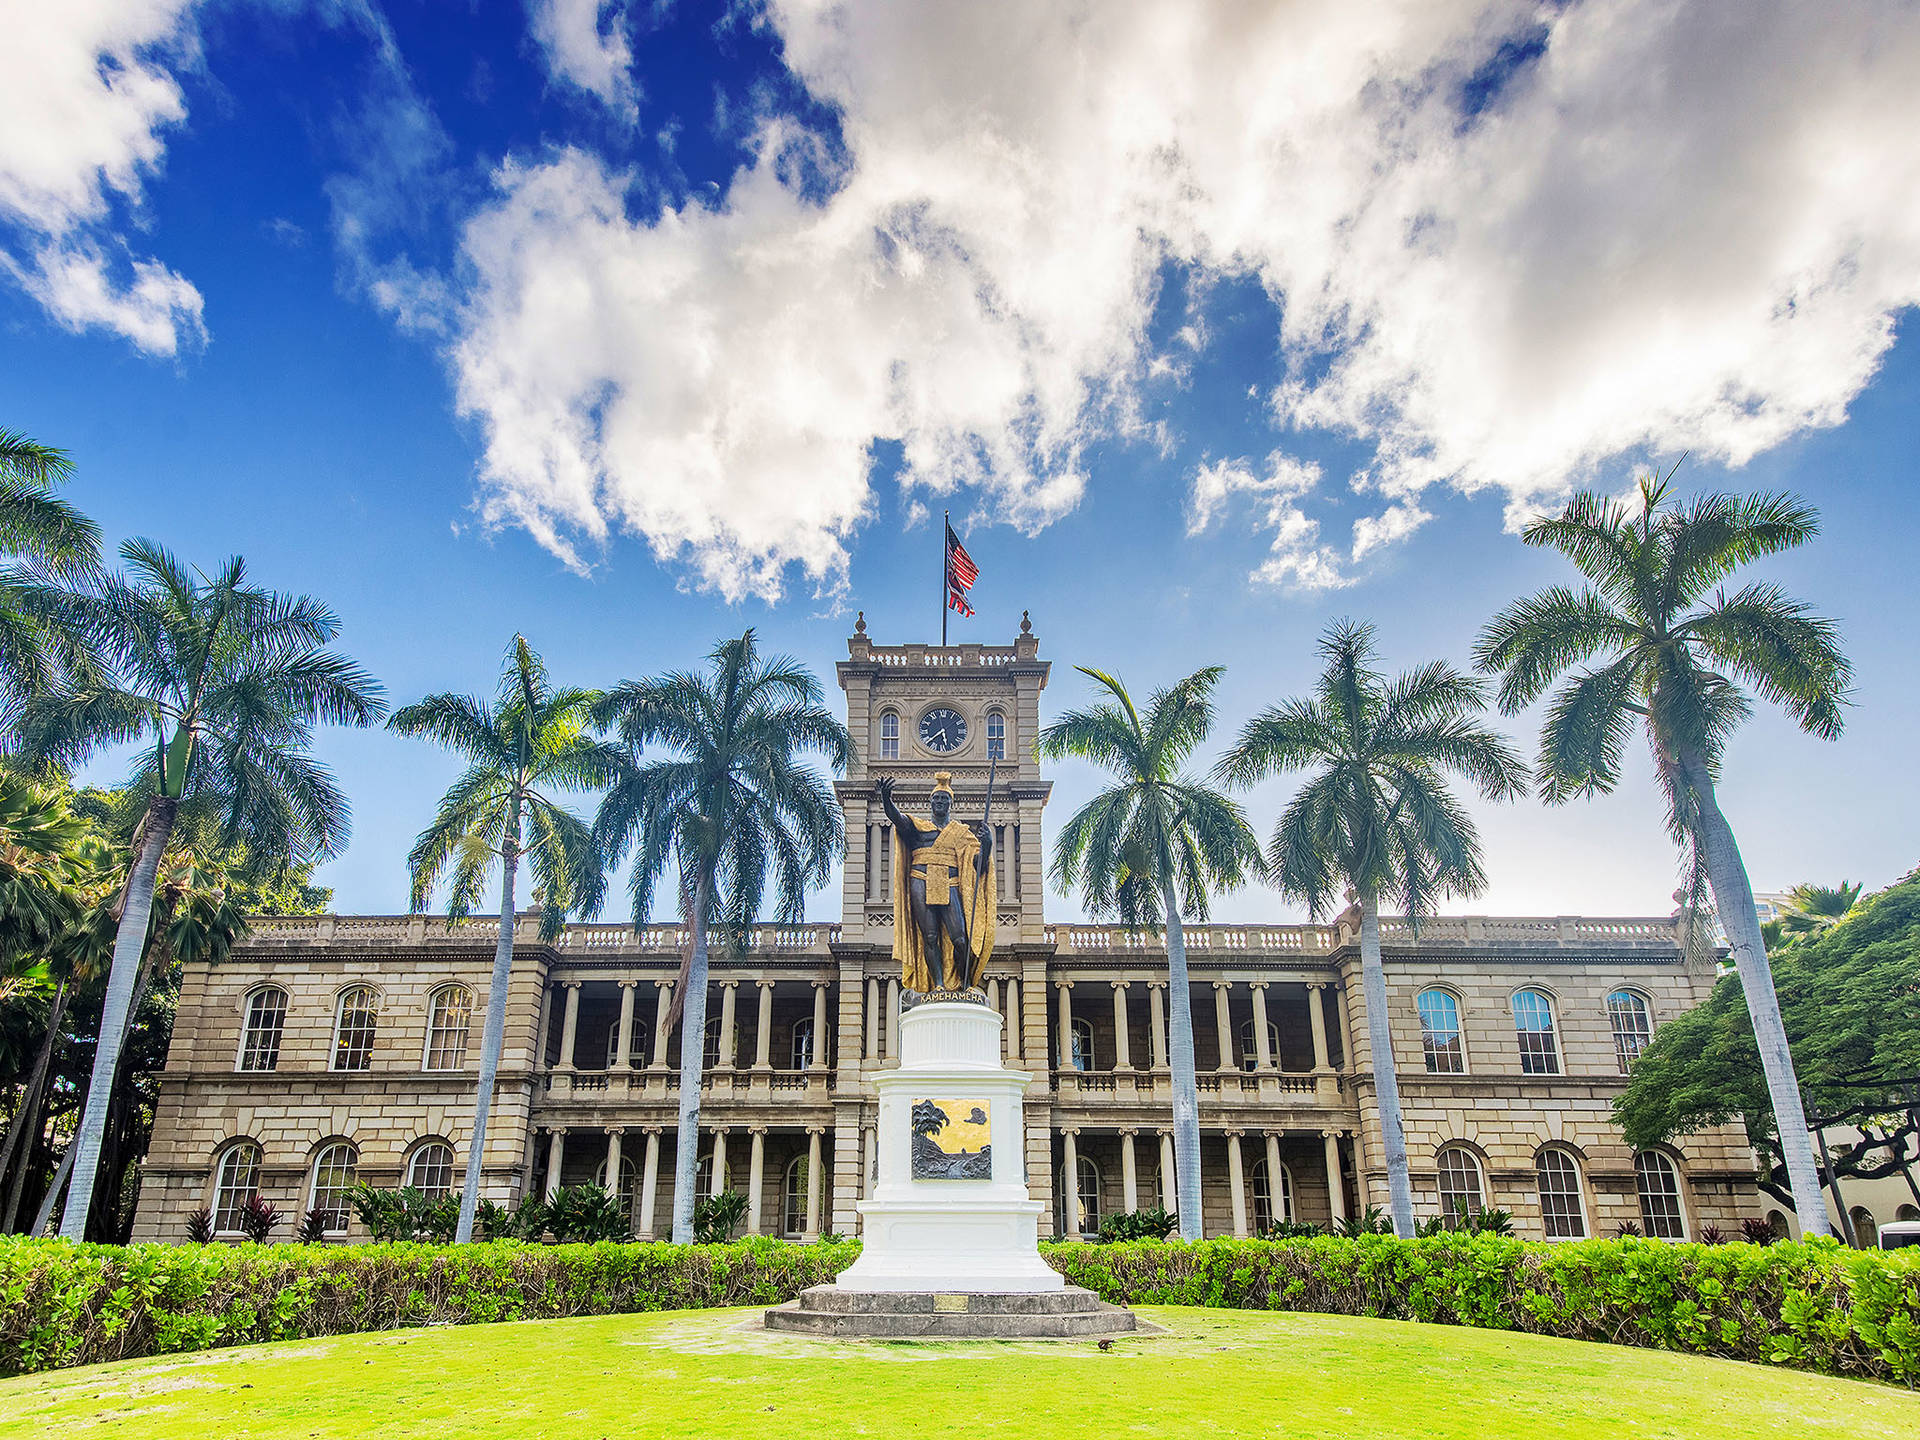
(1578, 1192)
(636, 1043)
(889, 734)
(343, 1210)
(1529, 1064)
(629, 1181)
(250, 1013)
(435, 1030)
(1662, 1162)
(1082, 1058)
(414, 1157)
(802, 1044)
(1429, 1050)
(1639, 1041)
(1262, 1195)
(339, 1025)
(793, 1196)
(1085, 1216)
(227, 1168)
(1448, 1209)
(1250, 1051)
(996, 735)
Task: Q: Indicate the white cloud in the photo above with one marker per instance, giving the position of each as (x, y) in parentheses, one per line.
(1681, 225)
(90, 90)
(585, 42)
(1299, 560)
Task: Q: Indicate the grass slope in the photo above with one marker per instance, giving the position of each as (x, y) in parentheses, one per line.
(1217, 1373)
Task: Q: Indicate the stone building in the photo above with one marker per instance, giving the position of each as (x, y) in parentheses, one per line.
(332, 1048)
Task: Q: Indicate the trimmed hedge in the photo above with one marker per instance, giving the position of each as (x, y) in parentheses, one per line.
(1815, 1306)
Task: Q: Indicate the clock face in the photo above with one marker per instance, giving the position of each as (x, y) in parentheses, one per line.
(943, 730)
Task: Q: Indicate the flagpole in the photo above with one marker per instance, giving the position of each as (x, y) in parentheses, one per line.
(946, 528)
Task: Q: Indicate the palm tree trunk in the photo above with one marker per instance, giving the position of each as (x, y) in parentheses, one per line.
(1386, 1079)
(495, 1034)
(1186, 1100)
(693, 1052)
(26, 1121)
(129, 947)
(1733, 898)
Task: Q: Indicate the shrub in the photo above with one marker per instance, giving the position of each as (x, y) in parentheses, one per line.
(315, 1224)
(716, 1215)
(1758, 1230)
(1294, 1230)
(1627, 1229)
(200, 1226)
(581, 1214)
(257, 1219)
(1712, 1235)
(1373, 1222)
(1138, 1225)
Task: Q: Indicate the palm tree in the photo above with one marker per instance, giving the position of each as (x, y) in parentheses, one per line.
(222, 682)
(1812, 909)
(727, 802)
(49, 543)
(533, 739)
(1660, 646)
(1377, 818)
(1151, 848)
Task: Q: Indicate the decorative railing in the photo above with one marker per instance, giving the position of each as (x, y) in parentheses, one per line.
(582, 938)
(951, 657)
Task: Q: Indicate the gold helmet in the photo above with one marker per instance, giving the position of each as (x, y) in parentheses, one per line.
(943, 780)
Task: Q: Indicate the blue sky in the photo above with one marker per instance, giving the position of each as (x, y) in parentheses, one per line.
(631, 326)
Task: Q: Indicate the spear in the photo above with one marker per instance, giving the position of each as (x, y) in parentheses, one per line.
(979, 875)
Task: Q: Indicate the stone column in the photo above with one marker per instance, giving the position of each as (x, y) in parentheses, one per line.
(893, 1020)
(556, 1157)
(719, 1181)
(1122, 1049)
(763, 1027)
(1336, 1192)
(570, 1026)
(649, 1183)
(1169, 1181)
(727, 1033)
(872, 1161)
(813, 1183)
(1223, 1024)
(1237, 1184)
(545, 1024)
(614, 1132)
(623, 1042)
(1064, 988)
(819, 1059)
(756, 1177)
(873, 1018)
(1070, 1183)
(1129, 1176)
(1013, 1018)
(1275, 1196)
(1157, 994)
(1317, 1017)
(663, 1000)
(1262, 1042)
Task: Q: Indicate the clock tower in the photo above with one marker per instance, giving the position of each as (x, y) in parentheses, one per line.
(917, 709)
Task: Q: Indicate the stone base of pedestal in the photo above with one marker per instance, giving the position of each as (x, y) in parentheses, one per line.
(1069, 1314)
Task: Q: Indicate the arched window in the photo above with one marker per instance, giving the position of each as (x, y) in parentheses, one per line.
(1265, 1217)
(266, 1023)
(1777, 1224)
(449, 1013)
(1866, 1229)
(1250, 1052)
(1662, 1215)
(889, 735)
(1440, 1033)
(803, 1043)
(636, 1046)
(1632, 1026)
(793, 1209)
(629, 1182)
(1084, 1218)
(1563, 1209)
(1082, 1057)
(430, 1171)
(236, 1180)
(703, 1176)
(1907, 1214)
(1533, 1021)
(356, 1017)
(333, 1176)
(710, 1052)
(1458, 1170)
(996, 735)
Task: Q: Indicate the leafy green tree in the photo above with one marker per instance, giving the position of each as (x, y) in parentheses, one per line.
(1655, 643)
(529, 744)
(1850, 1002)
(1152, 848)
(1377, 818)
(46, 543)
(729, 802)
(221, 683)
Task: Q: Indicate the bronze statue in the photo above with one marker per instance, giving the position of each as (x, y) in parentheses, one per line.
(943, 893)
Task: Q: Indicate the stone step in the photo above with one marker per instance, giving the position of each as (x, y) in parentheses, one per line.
(831, 1300)
(969, 1324)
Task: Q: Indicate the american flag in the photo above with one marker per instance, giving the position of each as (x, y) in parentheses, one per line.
(961, 573)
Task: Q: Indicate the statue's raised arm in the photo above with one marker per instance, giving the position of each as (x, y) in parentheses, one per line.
(903, 825)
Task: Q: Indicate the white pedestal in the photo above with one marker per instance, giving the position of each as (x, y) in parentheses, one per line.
(976, 1236)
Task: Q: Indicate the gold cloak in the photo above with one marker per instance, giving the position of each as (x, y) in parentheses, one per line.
(958, 842)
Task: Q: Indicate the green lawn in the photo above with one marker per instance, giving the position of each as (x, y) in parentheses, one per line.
(1215, 1373)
